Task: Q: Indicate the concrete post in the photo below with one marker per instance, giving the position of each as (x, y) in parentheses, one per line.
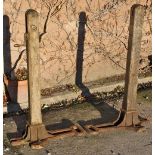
(32, 46)
(129, 114)
(134, 48)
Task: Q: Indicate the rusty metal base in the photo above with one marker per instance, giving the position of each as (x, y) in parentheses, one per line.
(95, 129)
(129, 119)
(32, 134)
(126, 120)
(37, 134)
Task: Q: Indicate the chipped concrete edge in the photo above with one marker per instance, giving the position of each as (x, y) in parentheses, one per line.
(72, 95)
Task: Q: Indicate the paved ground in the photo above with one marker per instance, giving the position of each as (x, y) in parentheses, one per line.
(124, 142)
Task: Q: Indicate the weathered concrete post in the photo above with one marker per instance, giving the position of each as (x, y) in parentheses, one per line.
(131, 81)
(35, 130)
(32, 45)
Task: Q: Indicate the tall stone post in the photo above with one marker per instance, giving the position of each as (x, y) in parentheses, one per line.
(35, 130)
(131, 81)
(32, 46)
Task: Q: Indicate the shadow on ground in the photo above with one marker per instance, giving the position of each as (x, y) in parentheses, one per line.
(91, 112)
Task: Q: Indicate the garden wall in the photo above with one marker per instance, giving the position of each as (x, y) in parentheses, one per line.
(77, 37)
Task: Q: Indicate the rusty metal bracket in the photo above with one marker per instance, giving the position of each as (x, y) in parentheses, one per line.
(126, 120)
(39, 134)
